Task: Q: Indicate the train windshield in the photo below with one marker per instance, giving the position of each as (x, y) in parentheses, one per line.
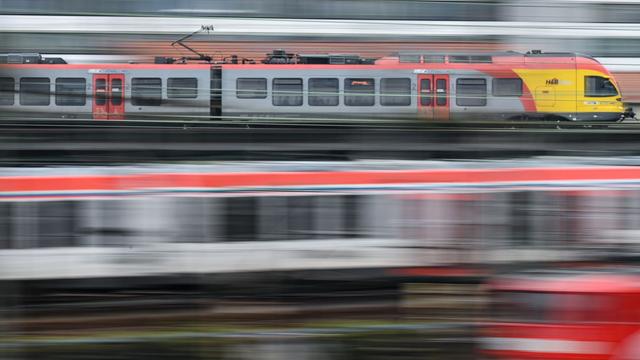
(598, 86)
(533, 307)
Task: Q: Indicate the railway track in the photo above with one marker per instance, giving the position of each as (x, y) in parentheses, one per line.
(92, 142)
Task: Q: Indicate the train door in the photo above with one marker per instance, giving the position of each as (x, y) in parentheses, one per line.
(433, 97)
(108, 96)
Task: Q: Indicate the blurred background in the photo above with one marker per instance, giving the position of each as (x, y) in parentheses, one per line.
(121, 31)
(113, 247)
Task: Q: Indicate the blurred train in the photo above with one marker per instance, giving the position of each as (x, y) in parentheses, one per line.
(330, 221)
(580, 313)
(322, 87)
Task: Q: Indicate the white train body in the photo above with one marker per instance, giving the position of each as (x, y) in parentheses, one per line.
(375, 219)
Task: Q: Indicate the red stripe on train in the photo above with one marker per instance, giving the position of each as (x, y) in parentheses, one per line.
(221, 180)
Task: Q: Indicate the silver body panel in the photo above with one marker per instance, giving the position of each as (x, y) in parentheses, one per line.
(198, 106)
(235, 107)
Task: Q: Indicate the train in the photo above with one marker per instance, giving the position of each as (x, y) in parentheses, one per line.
(320, 221)
(564, 313)
(285, 87)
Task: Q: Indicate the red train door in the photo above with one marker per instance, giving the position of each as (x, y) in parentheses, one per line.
(108, 96)
(433, 96)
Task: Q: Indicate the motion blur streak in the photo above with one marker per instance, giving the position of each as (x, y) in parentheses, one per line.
(266, 187)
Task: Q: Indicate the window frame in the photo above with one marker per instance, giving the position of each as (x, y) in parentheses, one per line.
(441, 96)
(348, 97)
(407, 96)
(60, 95)
(426, 92)
(23, 93)
(275, 98)
(57, 224)
(137, 100)
(459, 99)
(586, 82)
(193, 91)
(241, 216)
(100, 92)
(325, 95)
(116, 97)
(494, 87)
(239, 92)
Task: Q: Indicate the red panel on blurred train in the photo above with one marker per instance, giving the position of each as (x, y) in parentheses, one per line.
(565, 314)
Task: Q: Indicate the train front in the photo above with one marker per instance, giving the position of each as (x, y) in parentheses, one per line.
(601, 99)
(563, 315)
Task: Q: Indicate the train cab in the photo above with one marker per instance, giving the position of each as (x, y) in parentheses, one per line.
(564, 314)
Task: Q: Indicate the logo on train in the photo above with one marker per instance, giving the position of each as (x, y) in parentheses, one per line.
(553, 81)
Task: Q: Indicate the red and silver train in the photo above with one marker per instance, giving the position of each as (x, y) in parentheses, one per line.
(333, 220)
(418, 86)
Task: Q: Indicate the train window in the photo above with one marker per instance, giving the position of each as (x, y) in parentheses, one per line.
(507, 87)
(598, 86)
(101, 91)
(34, 91)
(251, 88)
(441, 92)
(395, 92)
(335, 217)
(195, 219)
(116, 92)
(359, 92)
(300, 217)
(71, 91)
(7, 90)
(182, 88)
(6, 224)
(57, 223)
(471, 92)
(426, 97)
(240, 219)
(287, 92)
(104, 222)
(520, 222)
(323, 92)
(146, 91)
(353, 209)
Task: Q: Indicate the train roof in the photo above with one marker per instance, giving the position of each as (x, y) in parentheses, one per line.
(281, 57)
(460, 57)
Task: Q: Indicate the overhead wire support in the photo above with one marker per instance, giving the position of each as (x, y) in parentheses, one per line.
(201, 57)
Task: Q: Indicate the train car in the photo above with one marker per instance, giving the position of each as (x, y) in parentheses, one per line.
(588, 313)
(429, 86)
(105, 92)
(329, 221)
(323, 88)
